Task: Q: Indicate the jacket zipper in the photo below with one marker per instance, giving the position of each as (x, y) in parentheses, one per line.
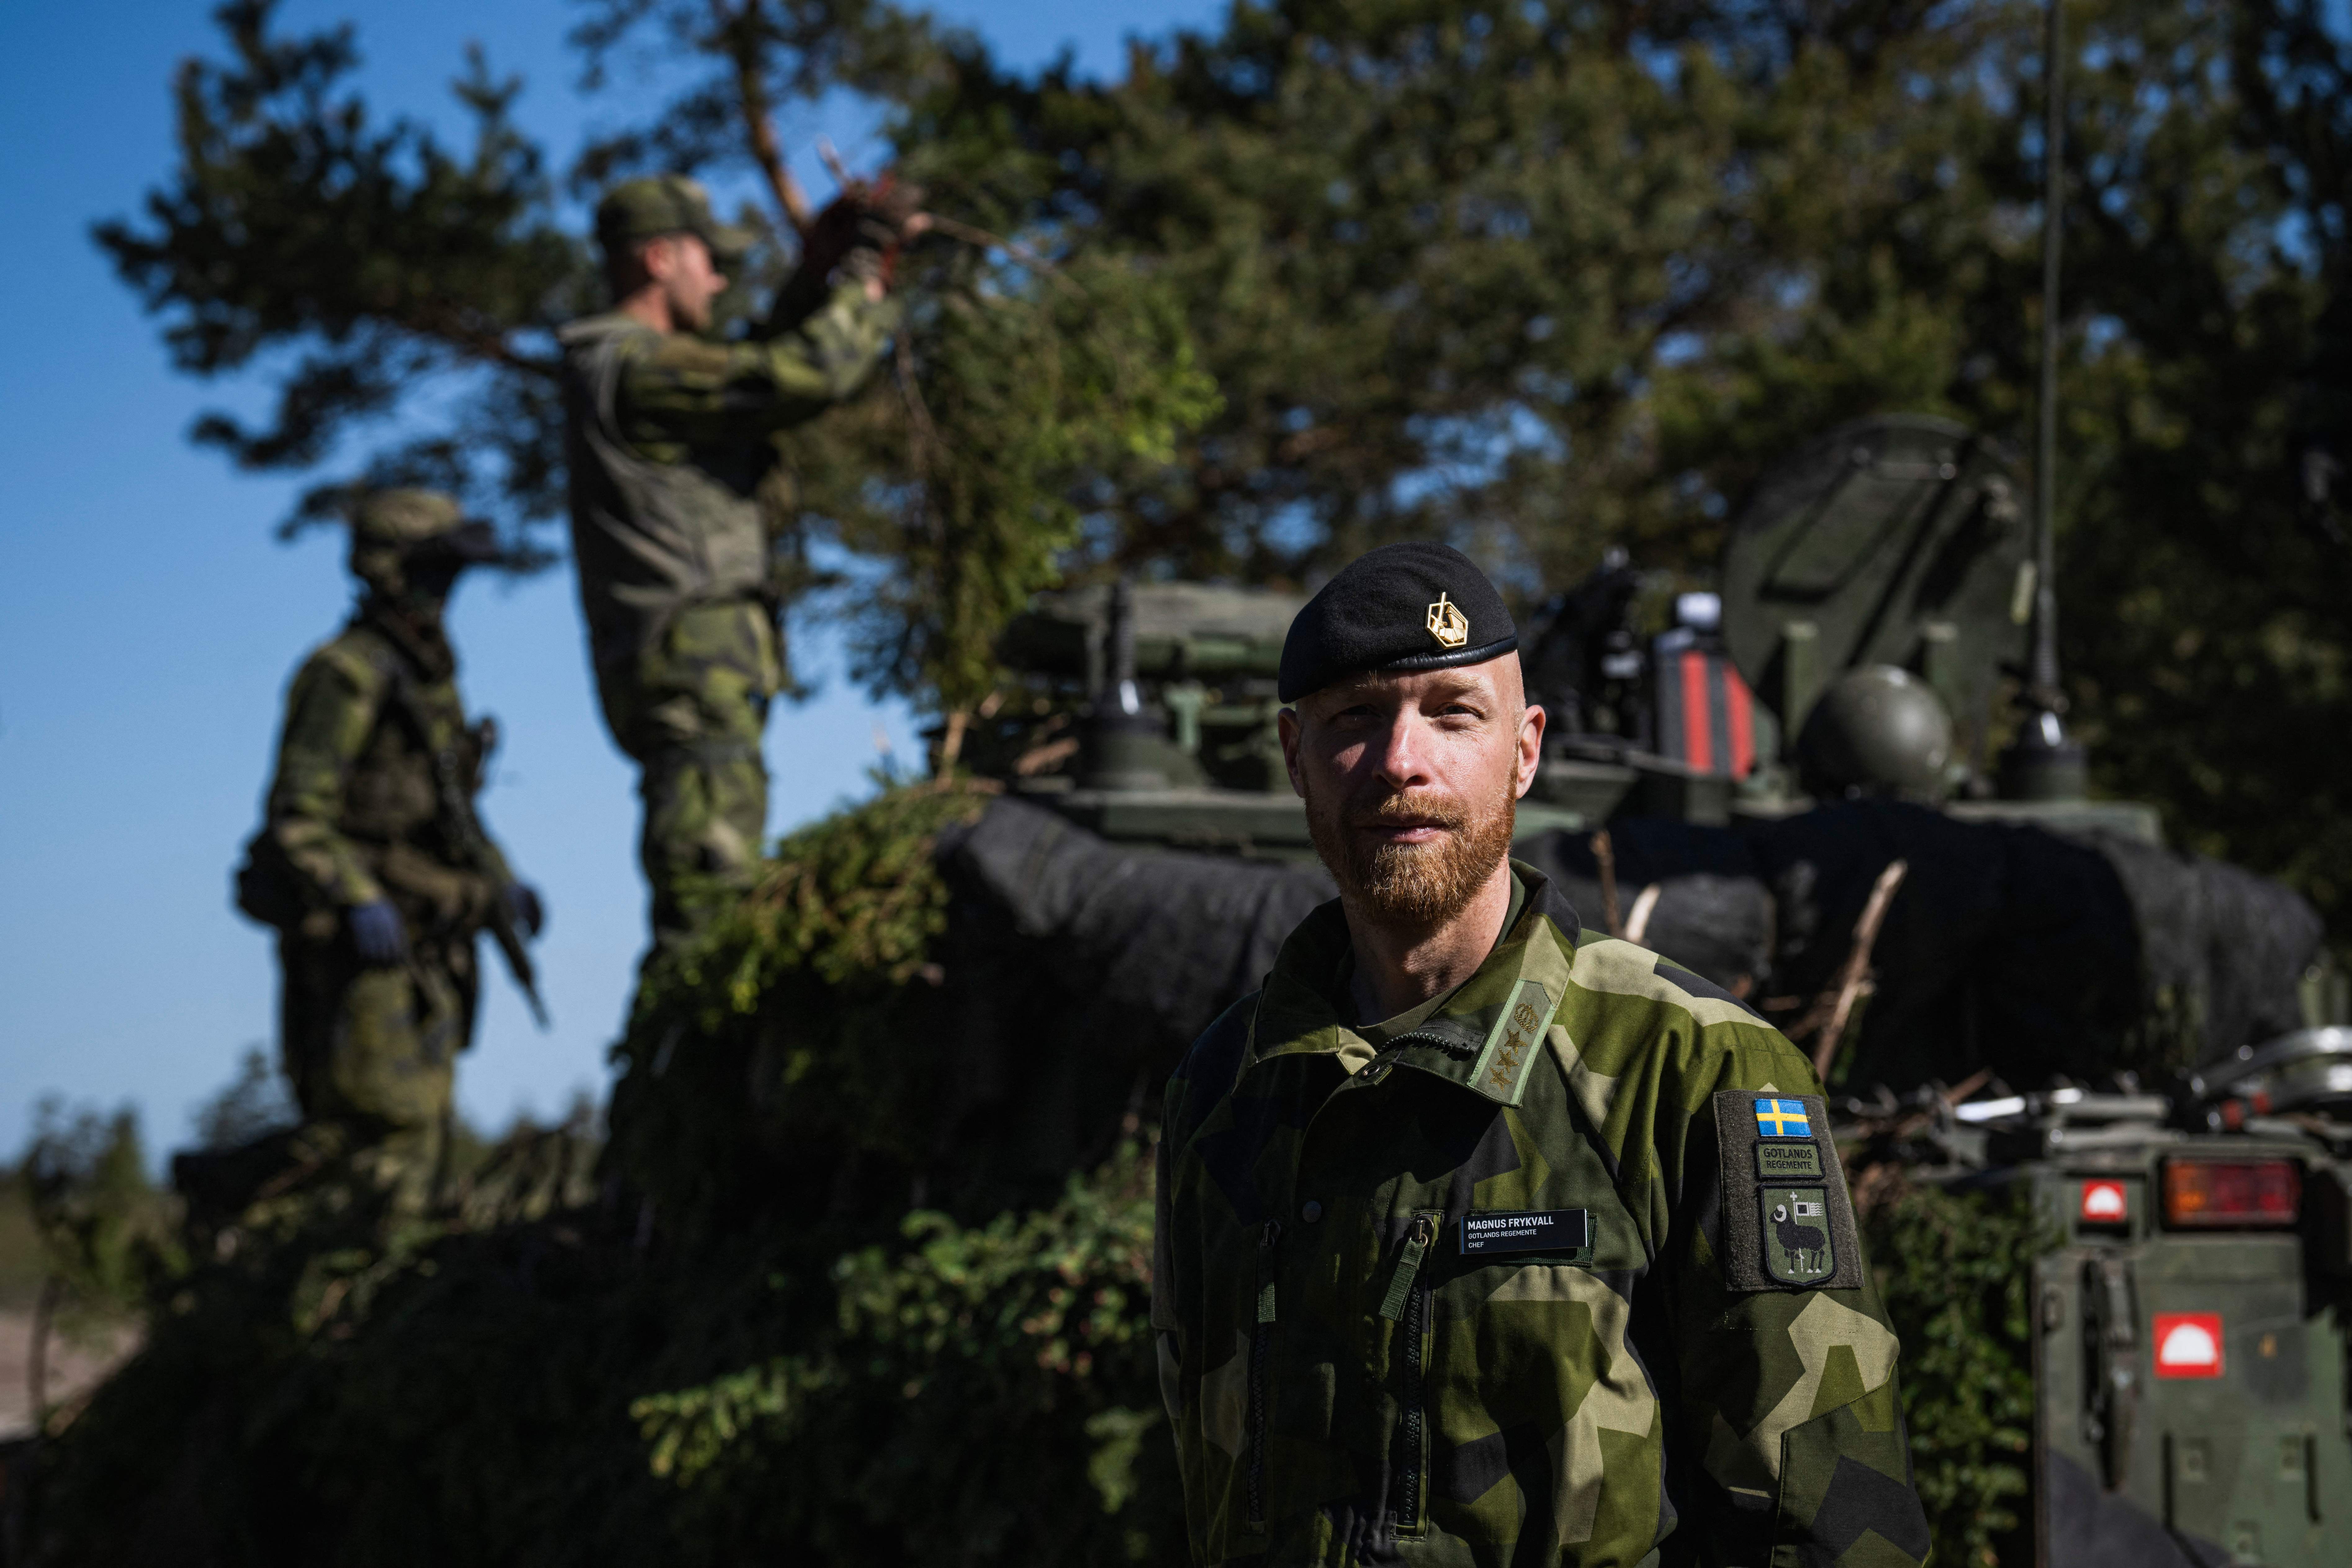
(1409, 1302)
(1261, 1352)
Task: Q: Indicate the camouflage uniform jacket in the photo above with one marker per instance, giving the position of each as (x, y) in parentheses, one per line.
(356, 805)
(669, 436)
(1484, 1293)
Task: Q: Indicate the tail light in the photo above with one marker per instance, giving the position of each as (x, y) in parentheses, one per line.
(2105, 1202)
(2232, 1195)
(2188, 1344)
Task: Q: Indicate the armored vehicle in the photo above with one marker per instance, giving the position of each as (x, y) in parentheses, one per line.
(2190, 1299)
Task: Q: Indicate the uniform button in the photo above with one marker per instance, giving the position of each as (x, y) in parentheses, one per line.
(1312, 1211)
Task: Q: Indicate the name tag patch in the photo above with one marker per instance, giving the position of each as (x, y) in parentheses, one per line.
(1564, 1232)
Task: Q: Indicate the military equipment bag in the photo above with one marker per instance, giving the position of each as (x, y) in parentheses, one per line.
(269, 888)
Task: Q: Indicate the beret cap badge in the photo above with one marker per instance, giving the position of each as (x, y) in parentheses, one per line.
(1397, 609)
(1448, 623)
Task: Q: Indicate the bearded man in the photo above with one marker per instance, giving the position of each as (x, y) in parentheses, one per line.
(1483, 1239)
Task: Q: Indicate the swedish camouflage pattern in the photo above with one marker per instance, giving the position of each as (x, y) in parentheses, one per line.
(691, 710)
(1348, 1385)
(356, 814)
(669, 441)
(354, 802)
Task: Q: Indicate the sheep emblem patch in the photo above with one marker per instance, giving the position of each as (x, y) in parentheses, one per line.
(1797, 1248)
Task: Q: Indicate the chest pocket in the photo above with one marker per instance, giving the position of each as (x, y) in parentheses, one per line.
(1532, 1390)
(392, 791)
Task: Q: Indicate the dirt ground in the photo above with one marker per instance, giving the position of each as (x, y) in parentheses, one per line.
(74, 1367)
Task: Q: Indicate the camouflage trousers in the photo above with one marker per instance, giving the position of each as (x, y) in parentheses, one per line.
(373, 1050)
(691, 711)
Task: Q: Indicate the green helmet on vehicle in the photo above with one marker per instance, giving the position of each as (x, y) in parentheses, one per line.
(1878, 731)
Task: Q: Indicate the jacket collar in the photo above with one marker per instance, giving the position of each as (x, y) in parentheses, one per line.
(422, 641)
(1483, 1037)
(600, 326)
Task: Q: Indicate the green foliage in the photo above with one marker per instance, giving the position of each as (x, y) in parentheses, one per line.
(328, 1384)
(1956, 1269)
(532, 1392)
(1021, 387)
(108, 1234)
(255, 1104)
(981, 1394)
(850, 900)
(792, 1019)
(401, 268)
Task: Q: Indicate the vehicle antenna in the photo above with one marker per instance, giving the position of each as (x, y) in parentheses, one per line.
(2044, 763)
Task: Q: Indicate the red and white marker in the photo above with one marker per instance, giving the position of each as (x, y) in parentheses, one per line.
(2104, 1203)
(2189, 1345)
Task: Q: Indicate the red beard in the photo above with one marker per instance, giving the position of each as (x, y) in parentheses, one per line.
(1415, 886)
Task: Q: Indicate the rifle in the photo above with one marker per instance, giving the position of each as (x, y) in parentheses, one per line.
(457, 801)
(456, 797)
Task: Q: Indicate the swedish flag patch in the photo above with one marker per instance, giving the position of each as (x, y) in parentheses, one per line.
(1782, 1118)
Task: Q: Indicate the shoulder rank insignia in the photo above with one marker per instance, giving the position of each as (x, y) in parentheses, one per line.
(1448, 623)
(1782, 1118)
(1500, 1072)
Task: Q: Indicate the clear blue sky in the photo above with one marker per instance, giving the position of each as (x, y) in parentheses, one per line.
(148, 620)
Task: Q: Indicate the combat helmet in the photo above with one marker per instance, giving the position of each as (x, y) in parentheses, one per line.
(391, 528)
(1878, 731)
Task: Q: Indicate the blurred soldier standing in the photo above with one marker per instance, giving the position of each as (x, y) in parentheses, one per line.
(670, 437)
(370, 861)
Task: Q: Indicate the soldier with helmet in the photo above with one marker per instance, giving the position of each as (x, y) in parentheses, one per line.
(670, 437)
(370, 861)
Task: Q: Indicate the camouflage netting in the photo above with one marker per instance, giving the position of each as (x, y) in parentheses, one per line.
(2007, 948)
(863, 1276)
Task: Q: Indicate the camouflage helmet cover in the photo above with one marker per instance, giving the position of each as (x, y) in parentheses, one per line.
(665, 203)
(398, 518)
(388, 524)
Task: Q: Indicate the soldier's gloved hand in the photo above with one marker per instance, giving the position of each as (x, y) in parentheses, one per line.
(378, 932)
(523, 904)
(891, 211)
(837, 230)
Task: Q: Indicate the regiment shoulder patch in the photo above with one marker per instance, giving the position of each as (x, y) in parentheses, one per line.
(1796, 1233)
(1788, 1223)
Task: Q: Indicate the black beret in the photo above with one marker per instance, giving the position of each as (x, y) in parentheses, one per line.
(1399, 607)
